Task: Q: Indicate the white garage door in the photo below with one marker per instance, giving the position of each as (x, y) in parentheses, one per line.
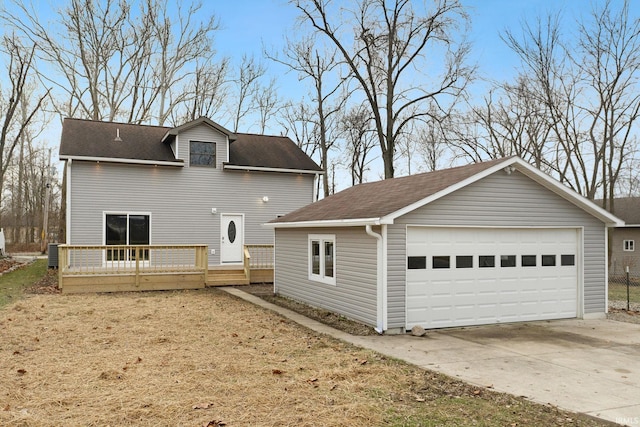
(476, 276)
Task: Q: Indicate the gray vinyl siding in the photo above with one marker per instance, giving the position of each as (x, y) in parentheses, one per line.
(499, 200)
(180, 200)
(355, 292)
(621, 259)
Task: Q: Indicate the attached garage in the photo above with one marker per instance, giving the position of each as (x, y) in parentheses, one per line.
(477, 276)
(491, 242)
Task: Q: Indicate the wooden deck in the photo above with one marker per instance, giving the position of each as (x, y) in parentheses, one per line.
(156, 267)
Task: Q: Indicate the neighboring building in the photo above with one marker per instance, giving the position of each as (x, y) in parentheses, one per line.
(193, 184)
(624, 239)
(491, 242)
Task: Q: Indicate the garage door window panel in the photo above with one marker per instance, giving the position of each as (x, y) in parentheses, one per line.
(567, 260)
(417, 262)
(464, 261)
(441, 261)
(486, 261)
(548, 260)
(507, 260)
(528, 260)
(322, 258)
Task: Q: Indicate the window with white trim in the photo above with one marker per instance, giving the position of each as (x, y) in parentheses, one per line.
(628, 245)
(126, 229)
(322, 258)
(202, 153)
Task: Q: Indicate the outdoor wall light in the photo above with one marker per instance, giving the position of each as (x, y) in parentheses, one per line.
(265, 199)
(214, 211)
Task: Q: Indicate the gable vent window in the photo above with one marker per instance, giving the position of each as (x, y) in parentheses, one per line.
(628, 245)
(202, 154)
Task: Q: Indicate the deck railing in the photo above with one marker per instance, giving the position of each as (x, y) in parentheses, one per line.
(261, 256)
(130, 260)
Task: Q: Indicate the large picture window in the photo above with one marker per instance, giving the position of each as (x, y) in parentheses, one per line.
(202, 154)
(126, 229)
(322, 258)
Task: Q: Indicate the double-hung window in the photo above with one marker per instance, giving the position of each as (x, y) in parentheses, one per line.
(202, 154)
(123, 229)
(322, 258)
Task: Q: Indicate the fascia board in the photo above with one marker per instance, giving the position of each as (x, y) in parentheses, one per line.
(267, 169)
(325, 224)
(127, 161)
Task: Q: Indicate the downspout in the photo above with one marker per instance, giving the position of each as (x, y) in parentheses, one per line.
(379, 282)
(68, 203)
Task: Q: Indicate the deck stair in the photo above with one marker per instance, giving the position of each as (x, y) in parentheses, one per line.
(227, 275)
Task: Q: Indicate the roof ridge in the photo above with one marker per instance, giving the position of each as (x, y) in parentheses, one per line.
(116, 123)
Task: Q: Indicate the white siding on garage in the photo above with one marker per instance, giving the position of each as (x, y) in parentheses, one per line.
(180, 199)
(499, 200)
(354, 294)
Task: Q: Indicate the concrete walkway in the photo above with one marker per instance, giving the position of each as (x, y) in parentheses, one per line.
(585, 366)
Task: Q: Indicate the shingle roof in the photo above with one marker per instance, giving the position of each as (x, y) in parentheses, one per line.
(96, 139)
(277, 152)
(626, 208)
(87, 138)
(381, 198)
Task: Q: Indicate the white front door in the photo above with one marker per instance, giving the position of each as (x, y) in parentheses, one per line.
(232, 237)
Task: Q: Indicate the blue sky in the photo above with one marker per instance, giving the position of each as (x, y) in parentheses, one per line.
(248, 24)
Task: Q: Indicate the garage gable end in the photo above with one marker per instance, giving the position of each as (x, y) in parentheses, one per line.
(504, 215)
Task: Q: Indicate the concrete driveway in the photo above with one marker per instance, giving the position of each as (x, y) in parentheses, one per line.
(586, 366)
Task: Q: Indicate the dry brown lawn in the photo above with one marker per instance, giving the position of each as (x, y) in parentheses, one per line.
(205, 358)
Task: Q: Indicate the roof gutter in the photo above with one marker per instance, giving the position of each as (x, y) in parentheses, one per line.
(127, 161)
(358, 222)
(267, 169)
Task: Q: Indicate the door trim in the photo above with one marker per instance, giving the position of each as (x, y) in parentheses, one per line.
(239, 237)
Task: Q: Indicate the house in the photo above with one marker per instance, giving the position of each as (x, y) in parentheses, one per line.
(198, 183)
(624, 238)
(486, 243)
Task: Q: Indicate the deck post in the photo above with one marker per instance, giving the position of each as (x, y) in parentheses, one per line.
(137, 251)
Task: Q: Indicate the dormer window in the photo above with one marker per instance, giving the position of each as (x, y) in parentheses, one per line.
(202, 154)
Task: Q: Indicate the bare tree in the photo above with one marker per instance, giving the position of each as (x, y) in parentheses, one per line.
(297, 121)
(314, 65)
(246, 86)
(207, 92)
(356, 126)
(509, 122)
(267, 103)
(590, 92)
(112, 62)
(21, 105)
(389, 46)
